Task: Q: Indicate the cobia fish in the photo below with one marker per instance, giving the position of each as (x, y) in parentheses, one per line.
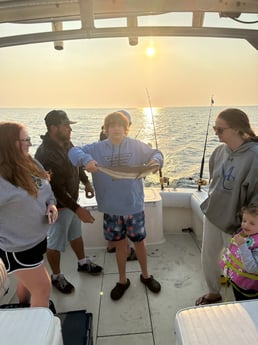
(129, 172)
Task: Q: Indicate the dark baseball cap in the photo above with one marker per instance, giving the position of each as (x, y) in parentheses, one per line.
(124, 112)
(57, 117)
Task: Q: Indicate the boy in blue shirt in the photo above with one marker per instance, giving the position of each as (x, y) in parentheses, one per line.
(121, 200)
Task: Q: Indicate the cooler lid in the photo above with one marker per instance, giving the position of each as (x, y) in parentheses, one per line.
(30, 326)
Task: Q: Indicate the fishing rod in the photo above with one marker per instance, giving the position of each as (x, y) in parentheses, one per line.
(155, 137)
(139, 131)
(202, 182)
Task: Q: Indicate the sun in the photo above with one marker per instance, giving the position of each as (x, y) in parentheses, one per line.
(150, 51)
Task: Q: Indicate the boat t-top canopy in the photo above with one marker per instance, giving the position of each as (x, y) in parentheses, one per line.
(87, 13)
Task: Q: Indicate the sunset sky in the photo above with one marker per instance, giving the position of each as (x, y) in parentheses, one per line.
(111, 73)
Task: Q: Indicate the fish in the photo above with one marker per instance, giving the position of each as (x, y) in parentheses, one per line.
(129, 172)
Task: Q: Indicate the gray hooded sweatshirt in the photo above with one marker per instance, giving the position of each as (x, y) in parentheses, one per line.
(234, 183)
(23, 221)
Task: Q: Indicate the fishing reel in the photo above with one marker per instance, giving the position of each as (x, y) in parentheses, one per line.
(201, 182)
(162, 181)
(165, 180)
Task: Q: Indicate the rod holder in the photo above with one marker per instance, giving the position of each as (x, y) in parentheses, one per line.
(132, 23)
(58, 26)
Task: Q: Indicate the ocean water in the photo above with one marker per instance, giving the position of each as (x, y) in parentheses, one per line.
(179, 132)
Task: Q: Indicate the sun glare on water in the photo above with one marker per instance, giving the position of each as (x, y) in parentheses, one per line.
(149, 112)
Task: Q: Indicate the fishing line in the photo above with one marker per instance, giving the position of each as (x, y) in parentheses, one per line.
(202, 182)
(155, 137)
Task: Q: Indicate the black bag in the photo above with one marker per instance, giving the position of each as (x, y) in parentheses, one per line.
(76, 327)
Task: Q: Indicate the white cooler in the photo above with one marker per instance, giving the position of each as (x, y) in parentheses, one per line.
(232, 323)
(29, 326)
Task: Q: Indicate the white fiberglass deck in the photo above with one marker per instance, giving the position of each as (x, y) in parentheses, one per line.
(140, 317)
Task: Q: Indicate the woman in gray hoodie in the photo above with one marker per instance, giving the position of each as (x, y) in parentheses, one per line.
(27, 206)
(233, 168)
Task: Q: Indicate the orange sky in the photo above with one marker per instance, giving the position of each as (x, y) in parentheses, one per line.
(111, 73)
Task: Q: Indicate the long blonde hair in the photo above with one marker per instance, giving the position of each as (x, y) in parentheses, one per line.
(15, 167)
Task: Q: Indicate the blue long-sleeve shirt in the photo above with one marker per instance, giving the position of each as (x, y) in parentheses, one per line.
(116, 197)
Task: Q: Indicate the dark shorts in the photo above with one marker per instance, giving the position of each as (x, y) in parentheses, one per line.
(26, 259)
(116, 228)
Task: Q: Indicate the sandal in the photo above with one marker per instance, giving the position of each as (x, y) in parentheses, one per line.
(151, 283)
(118, 291)
(132, 256)
(206, 300)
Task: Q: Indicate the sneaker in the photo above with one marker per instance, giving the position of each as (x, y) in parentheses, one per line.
(111, 250)
(89, 267)
(151, 283)
(52, 307)
(62, 284)
(119, 290)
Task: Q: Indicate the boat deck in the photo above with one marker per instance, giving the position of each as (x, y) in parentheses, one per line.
(140, 317)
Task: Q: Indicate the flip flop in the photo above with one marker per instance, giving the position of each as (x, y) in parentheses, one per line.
(206, 300)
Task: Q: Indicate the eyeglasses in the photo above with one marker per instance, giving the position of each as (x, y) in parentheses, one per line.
(220, 130)
(26, 140)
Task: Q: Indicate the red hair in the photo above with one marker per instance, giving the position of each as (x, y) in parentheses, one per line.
(15, 167)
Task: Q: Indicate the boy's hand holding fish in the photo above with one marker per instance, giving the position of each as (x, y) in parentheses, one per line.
(92, 166)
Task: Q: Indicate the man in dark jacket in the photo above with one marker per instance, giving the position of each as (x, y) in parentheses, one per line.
(65, 180)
